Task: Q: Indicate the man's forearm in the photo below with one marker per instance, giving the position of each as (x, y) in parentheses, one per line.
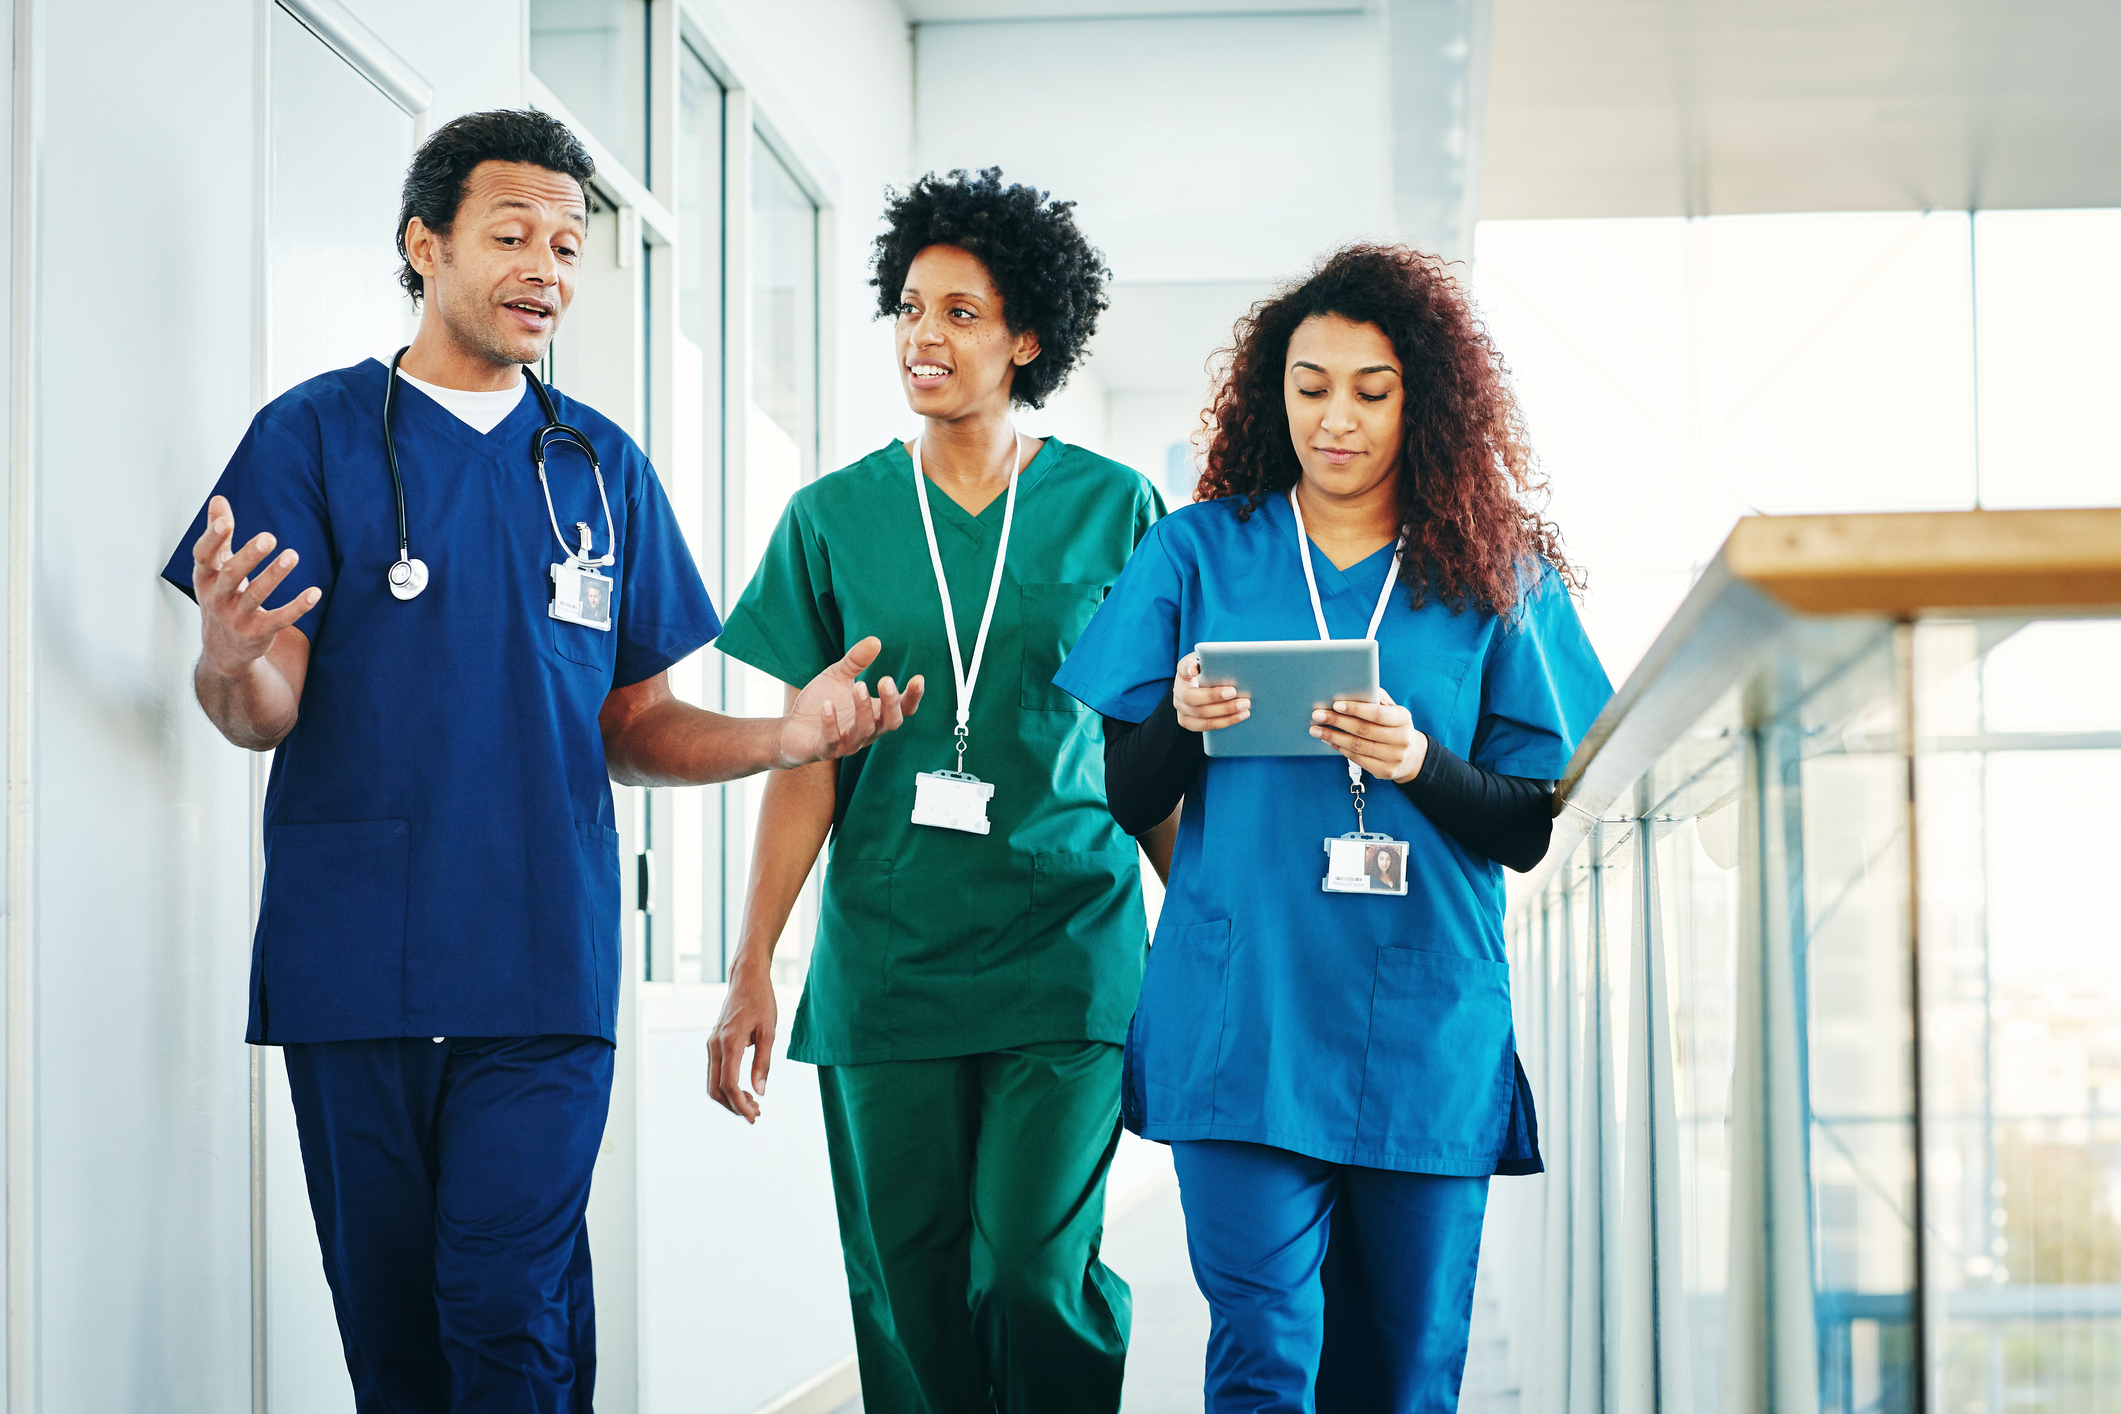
(254, 707)
(674, 743)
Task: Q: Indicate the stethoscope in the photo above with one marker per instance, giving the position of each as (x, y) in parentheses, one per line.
(408, 576)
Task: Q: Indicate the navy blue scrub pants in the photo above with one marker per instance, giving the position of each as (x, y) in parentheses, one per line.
(1332, 1288)
(449, 1182)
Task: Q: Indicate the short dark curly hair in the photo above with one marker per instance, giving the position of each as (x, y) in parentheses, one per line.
(434, 184)
(1051, 280)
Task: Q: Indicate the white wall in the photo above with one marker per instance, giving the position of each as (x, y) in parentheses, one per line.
(144, 375)
(1202, 161)
(1197, 148)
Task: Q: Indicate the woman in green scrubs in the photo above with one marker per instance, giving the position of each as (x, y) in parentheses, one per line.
(973, 976)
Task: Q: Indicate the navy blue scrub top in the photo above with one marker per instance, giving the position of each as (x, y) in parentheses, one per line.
(439, 851)
(1369, 1030)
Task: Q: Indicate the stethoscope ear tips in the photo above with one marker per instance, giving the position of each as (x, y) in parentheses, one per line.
(408, 578)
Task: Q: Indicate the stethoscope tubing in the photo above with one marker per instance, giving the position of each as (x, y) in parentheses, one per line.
(551, 430)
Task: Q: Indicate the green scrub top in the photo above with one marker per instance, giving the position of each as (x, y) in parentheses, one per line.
(935, 942)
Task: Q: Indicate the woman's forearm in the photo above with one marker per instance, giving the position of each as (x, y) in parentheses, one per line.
(1159, 842)
(794, 819)
(1148, 766)
(1508, 819)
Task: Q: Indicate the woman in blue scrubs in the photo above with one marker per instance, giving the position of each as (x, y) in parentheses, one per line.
(1331, 1059)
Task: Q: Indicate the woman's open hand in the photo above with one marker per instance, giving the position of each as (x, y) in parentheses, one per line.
(1205, 709)
(1377, 736)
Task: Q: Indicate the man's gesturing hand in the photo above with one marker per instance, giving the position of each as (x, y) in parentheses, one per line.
(235, 627)
(835, 716)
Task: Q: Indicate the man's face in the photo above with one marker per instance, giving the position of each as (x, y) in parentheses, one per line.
(503, 276)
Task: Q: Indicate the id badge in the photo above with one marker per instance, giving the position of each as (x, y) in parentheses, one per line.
(951, 800)
(1365, 864)
(581, 596)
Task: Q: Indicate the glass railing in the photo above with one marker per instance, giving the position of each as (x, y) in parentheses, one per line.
(1820, 990)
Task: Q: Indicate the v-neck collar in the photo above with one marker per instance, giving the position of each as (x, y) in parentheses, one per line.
(1332, 579)
(511, 431)
(944, 507)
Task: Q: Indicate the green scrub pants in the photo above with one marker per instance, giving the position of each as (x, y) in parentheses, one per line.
(971, 1198)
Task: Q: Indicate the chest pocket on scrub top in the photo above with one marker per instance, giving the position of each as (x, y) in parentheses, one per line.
(590, 647)
(1054, 616)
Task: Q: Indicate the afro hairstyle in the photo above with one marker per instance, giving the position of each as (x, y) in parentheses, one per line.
(1051, 280)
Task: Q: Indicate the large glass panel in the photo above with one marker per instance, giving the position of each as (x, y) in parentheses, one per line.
(593, 55)
(699, 193)
(780, 447)
(694, 481)
(1851, 938)
(2048, 301)
(1696, 789)
(783, 299)
(2021, 730)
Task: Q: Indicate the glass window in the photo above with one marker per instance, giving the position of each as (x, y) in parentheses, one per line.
(593, 55)
(783, 299)
(693, 479)
(699, 188)
(780, 454)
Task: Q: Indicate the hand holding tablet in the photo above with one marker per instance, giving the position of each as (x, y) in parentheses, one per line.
(1283, 682)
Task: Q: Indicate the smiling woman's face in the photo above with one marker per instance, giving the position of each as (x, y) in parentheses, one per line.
(955, 352)
(1343, 389)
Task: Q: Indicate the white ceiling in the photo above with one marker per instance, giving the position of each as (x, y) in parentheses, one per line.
(1676, 107)
(931, 11)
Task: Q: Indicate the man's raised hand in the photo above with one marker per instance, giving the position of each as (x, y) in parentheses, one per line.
(835, 715)
(236, 628)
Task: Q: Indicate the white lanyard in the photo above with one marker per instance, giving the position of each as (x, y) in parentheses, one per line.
(967, 678)
(1318, 610)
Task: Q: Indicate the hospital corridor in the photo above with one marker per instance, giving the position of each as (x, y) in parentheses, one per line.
(1002, 706)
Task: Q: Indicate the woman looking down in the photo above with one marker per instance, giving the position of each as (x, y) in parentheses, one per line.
(1332, 1059)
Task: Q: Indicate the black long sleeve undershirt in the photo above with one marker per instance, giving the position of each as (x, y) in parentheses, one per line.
(1509, 819)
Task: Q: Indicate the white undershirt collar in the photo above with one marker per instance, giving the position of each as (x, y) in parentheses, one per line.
(481, 412)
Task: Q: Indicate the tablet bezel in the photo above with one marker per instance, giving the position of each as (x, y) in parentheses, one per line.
(1287, 679)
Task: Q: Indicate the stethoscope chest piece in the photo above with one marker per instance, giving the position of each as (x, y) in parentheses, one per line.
(407, 578)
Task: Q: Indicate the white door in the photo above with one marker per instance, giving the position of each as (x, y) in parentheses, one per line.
(338, 148)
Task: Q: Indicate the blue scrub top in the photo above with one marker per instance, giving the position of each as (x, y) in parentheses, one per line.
(1370, 1030)
(439, 851)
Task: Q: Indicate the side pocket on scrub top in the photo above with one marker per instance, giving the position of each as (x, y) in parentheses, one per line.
(332, 926)
(1178, 1026)
(600, 866)
(854, 939)
(1439, 1039)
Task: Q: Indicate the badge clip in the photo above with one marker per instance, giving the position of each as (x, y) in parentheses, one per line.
(1361, 862)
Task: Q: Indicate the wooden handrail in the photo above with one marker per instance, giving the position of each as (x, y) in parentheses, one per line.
(1778, 573)
(1908, 565)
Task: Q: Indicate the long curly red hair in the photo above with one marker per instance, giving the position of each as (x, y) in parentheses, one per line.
(1470, 494)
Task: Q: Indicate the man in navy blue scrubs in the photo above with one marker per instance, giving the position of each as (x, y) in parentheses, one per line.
(438, 944)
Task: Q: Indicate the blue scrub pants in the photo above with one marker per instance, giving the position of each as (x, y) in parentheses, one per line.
(449, 1183)
(1333, 1288)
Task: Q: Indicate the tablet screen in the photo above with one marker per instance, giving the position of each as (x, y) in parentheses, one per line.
(1287, 679)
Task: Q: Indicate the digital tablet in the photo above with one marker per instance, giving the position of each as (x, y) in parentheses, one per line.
(1287, 679)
